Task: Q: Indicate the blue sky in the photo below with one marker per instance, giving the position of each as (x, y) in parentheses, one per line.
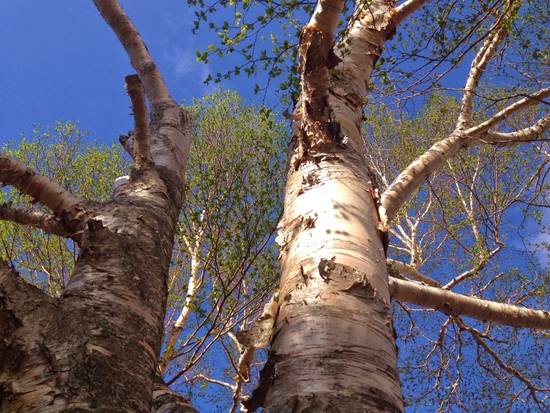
(60, 61)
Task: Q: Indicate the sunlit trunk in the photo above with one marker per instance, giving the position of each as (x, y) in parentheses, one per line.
(334, 346)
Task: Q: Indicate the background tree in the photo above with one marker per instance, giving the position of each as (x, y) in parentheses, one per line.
(225, 262)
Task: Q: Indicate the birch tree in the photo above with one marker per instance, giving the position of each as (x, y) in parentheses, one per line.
(97, 346)
(333, 344)
(333, 347)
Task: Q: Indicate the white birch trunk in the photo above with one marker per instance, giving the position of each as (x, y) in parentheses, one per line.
(334, 345)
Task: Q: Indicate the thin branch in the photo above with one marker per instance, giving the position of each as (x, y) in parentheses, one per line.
(457, 304)
(195, 282)
(479, 64)
(477, 337)
(530, 100)
(49, 223)
(214, 381)
(142, 149)
(480, 266)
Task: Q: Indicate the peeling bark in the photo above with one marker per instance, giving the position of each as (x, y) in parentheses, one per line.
(168, 401)
(334, 347)
(49, 223)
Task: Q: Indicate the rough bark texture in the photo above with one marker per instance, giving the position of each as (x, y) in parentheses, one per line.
(96, 348)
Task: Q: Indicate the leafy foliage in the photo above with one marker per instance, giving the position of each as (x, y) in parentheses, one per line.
(225, 240)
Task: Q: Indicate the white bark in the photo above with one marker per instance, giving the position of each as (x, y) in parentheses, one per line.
(334, 348)
(529, 134)
(461, 305)
(413, 272)
(193, 286)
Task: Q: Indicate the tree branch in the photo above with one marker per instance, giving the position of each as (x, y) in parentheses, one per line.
(406, 9)
(478, 338)
(530, 134)
(170, 124)
(166, 400)
(43, 190)
(316, 59)
(458, 304)
(413, 272)
(141, 138)
(479, 64)
(524, 103)
(416, 173)
(131, 40)
(49, 223)
(193, 285)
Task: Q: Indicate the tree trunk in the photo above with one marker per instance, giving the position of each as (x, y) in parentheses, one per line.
(334, 346)
(97, 347)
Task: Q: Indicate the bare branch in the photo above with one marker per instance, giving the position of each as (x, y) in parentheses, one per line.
(478, 338)
(458, 304)
(533, 99)
(49, 223)
(406, 9)
(141, 138)
(170, 125)
(131, 40)
(214, 381)
(480, 266)
(530, 134)
(479, 64)
(413, 272)
(42, 190)
(418, 171)
(193, 285)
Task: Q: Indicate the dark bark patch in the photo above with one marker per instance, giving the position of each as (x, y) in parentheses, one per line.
(267, 376)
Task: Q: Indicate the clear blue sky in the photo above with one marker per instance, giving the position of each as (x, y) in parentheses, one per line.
(60, 61)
